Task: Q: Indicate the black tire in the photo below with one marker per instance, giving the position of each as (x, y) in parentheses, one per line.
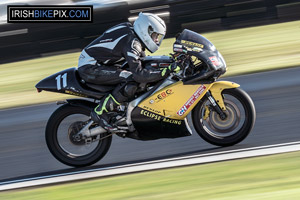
(59, 153)
(217, 136)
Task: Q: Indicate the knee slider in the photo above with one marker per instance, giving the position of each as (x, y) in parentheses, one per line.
(129, 90)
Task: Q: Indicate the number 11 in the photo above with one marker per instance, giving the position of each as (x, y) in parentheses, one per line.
(58, 81)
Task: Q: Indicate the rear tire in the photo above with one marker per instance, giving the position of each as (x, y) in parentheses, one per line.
(55, 141)
(235, 128)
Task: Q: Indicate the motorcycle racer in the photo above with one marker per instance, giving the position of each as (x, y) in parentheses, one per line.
(100, 61)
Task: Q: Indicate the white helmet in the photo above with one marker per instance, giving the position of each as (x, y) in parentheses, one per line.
(151, 29)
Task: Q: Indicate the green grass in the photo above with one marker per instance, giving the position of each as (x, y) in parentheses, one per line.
(271, 177)
(245, 50)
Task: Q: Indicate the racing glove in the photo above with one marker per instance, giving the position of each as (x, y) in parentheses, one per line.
(171, 68)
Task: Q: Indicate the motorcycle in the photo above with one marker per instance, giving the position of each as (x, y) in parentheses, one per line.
(221, 112)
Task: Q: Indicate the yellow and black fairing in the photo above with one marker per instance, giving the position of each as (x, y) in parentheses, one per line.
(163, 114)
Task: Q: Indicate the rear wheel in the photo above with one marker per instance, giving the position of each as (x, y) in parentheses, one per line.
(61, 130)
(239, 121)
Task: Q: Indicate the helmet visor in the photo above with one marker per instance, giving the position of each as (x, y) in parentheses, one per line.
(157, 38)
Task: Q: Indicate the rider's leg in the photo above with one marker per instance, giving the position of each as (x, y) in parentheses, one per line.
(108, 75)
(122, 93)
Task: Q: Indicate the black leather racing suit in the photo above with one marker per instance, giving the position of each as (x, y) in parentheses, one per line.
(98, 62)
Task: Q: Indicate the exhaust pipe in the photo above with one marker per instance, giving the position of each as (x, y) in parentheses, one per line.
(85, 132)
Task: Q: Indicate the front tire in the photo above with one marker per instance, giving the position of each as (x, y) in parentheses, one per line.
(240, 119)
(61, 126)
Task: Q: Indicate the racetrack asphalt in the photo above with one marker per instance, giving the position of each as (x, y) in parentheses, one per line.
(276, 95)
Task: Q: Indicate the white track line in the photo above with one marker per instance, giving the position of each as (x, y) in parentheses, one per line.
(153, 165)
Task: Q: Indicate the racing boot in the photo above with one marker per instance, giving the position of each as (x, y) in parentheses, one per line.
(99, 114)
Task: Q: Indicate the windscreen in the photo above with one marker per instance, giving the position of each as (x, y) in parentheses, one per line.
(193, 41)
(195, 44)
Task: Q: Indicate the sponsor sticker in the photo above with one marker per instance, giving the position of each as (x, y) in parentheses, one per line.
(191, 100)
(197, 49)
(75, 93)
(177, 46)
(151, 101)
(160, 118)
(192, 44)
(214, 60)
(151, 115)
(178, 50)
(152, 110)
(163, 95)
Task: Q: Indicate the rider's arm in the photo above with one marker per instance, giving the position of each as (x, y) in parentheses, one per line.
(141, 74)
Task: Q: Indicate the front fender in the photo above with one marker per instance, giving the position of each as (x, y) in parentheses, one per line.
(217, 88)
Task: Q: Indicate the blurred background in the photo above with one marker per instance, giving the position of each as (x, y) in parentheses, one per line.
(252, 36)
(198, 15)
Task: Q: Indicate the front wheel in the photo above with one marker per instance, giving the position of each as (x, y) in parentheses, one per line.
(61, 129)
(240, 118)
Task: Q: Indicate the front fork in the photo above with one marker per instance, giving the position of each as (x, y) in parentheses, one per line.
(215, 97)
(215, 106)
